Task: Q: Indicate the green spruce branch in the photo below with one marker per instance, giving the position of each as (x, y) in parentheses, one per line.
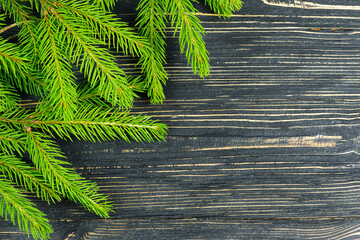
(21, 211)
(151, 22)
(55, 39)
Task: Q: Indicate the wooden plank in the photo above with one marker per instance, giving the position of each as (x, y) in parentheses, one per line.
(351, 5)
(197, 229)
(267, 147)
(224, 177)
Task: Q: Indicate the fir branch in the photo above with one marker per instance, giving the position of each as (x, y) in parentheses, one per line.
(13, 63)
(56, 68)
(23, 74)
(45, 156)
(106, 27)
(21, 16)
(90, 97)
(97, 63)
(151, 22)
(224, 8)
(25, 176)
(40, 5)
(103, 4)
(28, 38)
(92, 123)
(19, 12)
(11, 141)
(13, 203)
(96, 124)
(9, 99)
(183, 18)
(15, 68)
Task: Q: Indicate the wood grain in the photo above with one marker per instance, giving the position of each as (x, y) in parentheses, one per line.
(267, 147)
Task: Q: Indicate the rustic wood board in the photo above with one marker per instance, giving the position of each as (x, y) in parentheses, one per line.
(267, 147)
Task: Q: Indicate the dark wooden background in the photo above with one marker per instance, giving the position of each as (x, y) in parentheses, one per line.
(267, 147)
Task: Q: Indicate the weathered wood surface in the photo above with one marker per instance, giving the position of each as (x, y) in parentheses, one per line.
(267, 147)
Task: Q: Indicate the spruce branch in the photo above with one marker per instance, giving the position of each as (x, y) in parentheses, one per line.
(107, 27)
(8, 96)
(90, 97)
(97, 64)
(56, 69)
(151, 22)
(21, 16)
(224, 8)
(25, 176)
(14, 65)
(183, 18)
(103, 4)
(46, 157)
(96, 124)
(91, 124)
(18, 11)
(12, 58)
(11, 141)
(21, 211)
